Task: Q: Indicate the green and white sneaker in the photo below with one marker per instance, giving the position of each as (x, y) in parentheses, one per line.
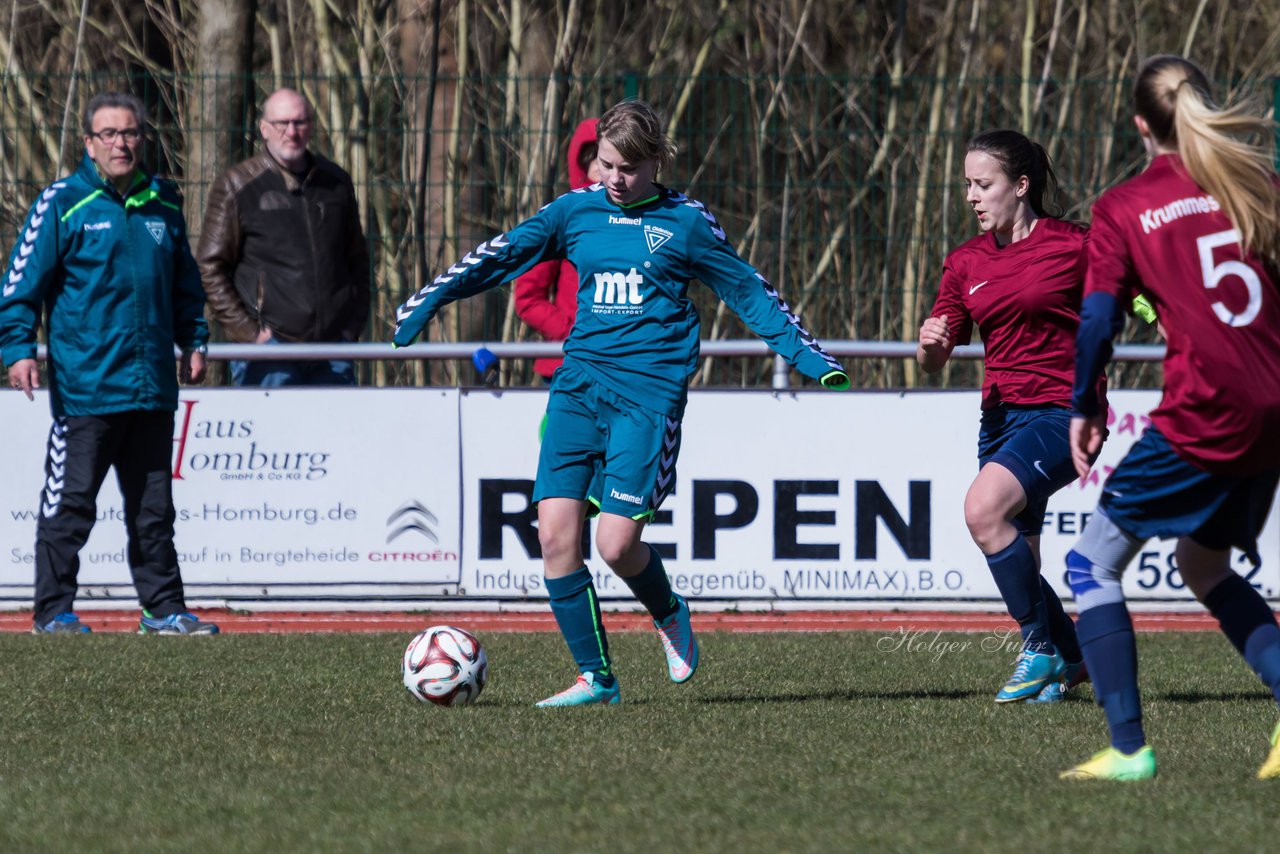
(585, 692)
(1111, 764)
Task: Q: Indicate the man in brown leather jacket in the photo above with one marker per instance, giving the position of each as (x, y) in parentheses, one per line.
(282, 255)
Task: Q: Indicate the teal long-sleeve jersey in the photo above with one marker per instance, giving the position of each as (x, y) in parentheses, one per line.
(636, 330)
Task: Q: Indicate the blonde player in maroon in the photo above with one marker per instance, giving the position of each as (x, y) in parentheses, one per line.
(1199, 233)
(1020, 280)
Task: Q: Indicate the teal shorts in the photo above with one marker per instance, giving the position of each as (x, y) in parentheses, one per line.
(603, 449)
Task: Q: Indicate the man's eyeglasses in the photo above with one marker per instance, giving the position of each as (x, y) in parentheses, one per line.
(282, 125)
(108, 136)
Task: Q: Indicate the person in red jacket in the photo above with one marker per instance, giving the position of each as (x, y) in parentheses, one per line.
(547, 295)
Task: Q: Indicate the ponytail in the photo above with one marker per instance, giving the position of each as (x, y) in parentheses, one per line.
(1215, 144)
(1048, 183)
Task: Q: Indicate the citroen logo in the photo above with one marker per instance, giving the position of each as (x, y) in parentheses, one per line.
(410, 517)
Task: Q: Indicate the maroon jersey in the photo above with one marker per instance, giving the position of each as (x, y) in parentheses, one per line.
(1025, 299)
(1161, 234)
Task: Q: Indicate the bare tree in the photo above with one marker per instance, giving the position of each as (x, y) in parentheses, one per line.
(224, 41)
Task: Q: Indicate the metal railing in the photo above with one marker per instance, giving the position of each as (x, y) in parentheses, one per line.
(541, 349)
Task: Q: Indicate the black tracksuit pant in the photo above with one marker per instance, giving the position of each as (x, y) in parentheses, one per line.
(139, 445)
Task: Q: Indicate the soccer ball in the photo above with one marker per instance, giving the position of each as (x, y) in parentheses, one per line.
(446, 666)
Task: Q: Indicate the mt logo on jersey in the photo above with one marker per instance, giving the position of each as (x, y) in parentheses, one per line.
(618, 293)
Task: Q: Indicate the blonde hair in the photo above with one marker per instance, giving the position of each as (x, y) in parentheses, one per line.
(635, 129)
(1217, 146)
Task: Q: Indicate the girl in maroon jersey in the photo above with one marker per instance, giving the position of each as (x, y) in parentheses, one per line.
(1020, 280)
(1199, 232)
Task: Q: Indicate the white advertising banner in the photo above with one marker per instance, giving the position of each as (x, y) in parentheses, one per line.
(282, 493)
(804, 497)
(412, 494)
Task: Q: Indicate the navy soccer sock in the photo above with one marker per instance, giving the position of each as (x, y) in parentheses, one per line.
(652, 587)
(1250, 625)
(1018, 578)
(1061, 627)
(577, 612)
(1111, 653)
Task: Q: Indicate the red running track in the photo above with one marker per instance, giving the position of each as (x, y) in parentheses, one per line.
(508, 621)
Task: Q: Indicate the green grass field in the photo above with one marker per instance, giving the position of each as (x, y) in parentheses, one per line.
(782, 742)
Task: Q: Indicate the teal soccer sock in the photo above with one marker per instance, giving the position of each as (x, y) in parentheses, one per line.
(577, 613)
(652, 587)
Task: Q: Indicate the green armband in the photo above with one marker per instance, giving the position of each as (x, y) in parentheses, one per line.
(1143, 308)
(835, 380)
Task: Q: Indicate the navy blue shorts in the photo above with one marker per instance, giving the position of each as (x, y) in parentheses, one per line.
(1155, 493)
(1033, 443)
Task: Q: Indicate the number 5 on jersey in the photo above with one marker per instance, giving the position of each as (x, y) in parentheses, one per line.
(1215, 273)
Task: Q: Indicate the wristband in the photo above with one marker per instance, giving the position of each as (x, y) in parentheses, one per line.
(835, 381)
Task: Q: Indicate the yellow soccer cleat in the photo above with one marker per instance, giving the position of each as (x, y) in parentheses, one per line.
(1111, 764)
(1270, 769)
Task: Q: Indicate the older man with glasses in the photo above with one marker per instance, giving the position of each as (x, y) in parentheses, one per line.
(282, 254)
(104, 257)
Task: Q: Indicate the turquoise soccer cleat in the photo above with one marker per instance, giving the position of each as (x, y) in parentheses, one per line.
(678, 642)
(1056, 692)
(1034, 671)
(584, 692)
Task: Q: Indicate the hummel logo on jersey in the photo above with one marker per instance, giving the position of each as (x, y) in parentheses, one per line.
(614, 219)
(655, 237)
(157, 230)
(622, 496)
(97, 226)
(975, 287)
(618, 293)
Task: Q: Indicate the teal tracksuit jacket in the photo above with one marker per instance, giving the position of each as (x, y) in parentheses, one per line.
(115, 281)
(636, 331)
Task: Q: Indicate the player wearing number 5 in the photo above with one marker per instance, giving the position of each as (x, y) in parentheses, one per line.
(1199, 232)
(614, 413)
(1020, 281)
